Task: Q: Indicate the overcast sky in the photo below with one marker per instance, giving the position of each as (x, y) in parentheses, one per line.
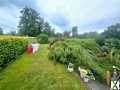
(88, 15)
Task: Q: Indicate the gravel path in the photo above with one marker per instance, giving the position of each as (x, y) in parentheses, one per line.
(94, 85)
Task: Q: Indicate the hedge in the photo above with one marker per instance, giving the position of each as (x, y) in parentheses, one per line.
(11, 48)
(43, 38)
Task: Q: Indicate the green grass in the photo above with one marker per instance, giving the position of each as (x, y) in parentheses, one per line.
(36, 72)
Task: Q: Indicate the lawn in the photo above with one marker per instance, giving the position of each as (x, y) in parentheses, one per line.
(36, 72)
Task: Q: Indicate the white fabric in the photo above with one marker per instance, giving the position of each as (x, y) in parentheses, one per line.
(35, 47)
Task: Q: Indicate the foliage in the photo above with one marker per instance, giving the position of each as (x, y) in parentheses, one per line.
(100, 40)
(66, 34)
(112, 31)
(67, 51)
(1, 31)
(74, 31)
(47, 29)
(42, 38)
(89, 35)
(116, 57)
(85, 53)
(12, 33)
(11, 48)
(30, 22)
(58, 35)
(112, 43)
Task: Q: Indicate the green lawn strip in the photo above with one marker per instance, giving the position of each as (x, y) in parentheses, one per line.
(36, 72)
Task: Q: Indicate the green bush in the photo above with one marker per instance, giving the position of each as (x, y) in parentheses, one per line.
(42, 39)
(100, 40)
(65, 52)
(80, 52)
(100, 74)
(112, 43)
(10, 49)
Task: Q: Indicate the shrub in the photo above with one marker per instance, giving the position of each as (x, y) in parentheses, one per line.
(112, 43)
(11, 48)
(100, 74)
(42, 38)
(100, 40)
(81, 53)
(64, 53)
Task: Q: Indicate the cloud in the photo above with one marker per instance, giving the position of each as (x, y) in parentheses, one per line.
(17, 3)
(10, 13)
(94, 14)
(88, 15)
(8, 20)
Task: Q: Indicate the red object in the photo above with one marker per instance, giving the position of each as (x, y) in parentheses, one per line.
(30, 49)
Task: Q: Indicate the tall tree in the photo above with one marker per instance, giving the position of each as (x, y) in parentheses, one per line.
(52, 32)
(74, 31)
(47, 28)
(112, 31)
(1, 31)
(30, 22)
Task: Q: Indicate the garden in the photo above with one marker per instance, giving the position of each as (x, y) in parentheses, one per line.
(87, 54)
(36, 56)
(27, 71)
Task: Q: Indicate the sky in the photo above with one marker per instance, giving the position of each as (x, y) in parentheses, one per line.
(88, 15)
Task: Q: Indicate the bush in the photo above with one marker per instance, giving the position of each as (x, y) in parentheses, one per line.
(10, 49)
(42, 39)
(100, 40)
(65, 52)
(100, 74)
(80, 52)
(112, 43)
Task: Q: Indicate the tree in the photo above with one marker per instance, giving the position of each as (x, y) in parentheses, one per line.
(110, 36)
(74, 31)
(112, 43)
(47, 28)
(89, 35)
(66, 33)
(30, 22)
(52, 32)
(59, 35)
(12, 33)
(1, 31)
(112, 31)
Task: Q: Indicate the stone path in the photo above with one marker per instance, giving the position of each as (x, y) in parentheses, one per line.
(94, 85)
